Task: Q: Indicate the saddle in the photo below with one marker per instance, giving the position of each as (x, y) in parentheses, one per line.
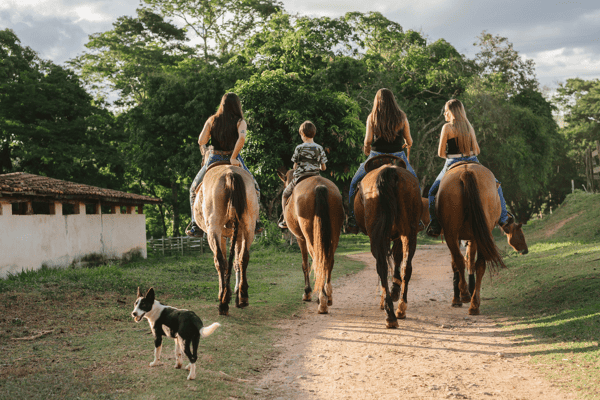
(217, 163)
(383, 159)
(458, 164)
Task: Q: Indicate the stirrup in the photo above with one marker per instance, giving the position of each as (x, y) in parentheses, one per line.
(194, 230)
(433, 231)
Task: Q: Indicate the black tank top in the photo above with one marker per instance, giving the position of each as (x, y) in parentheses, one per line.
(452, 146)
(380, 145)
(218, 145)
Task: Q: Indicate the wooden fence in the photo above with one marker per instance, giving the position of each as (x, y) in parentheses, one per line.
(182, 245)
(592, 168)
(176, 245)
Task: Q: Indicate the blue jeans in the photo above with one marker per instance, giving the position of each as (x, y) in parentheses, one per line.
(360, 174)
(434, 188)
(212, 158)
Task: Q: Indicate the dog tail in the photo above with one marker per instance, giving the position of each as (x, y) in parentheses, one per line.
(207, 331)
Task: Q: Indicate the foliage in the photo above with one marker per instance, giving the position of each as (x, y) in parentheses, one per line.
(48, 122)
(275, 105)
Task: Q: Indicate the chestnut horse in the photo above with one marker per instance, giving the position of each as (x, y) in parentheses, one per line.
(315, 214)
(468, 208)
(388, 208)
(226, 206)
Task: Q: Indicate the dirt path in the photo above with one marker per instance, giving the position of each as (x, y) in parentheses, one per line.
(439, 352)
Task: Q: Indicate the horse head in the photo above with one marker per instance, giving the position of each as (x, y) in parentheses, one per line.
(285, 175)
(516, 238)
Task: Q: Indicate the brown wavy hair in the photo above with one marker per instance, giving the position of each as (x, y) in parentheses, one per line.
(308, 129)
(465, 133)
(224, 123)
(386, 116)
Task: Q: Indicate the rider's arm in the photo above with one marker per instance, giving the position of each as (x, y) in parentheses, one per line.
(205, 134)
(368, 137)
(443, 140)
(239, 144)
(406, 132)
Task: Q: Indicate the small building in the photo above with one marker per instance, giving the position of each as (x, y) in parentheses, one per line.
(55, 223)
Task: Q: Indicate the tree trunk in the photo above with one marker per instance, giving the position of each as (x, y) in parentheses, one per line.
(174, 196)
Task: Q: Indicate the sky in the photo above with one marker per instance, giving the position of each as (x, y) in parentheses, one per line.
(561, 37)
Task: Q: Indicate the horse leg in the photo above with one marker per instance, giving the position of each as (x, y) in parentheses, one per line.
(409, 245)
(397, 279)
(241, 285)
(216, 244)
(458, 266)
(386, 300)
(476, 299)
(470, 259)
(328, 287)
(305, 268)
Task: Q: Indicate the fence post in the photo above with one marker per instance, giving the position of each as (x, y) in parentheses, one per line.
(163, 246)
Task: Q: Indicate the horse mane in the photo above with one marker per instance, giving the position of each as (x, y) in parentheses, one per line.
(474, 212)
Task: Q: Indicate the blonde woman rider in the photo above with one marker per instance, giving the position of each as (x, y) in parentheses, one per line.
(387, 132)
(457, 143)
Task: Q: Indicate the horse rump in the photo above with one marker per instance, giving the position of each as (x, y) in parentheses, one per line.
(481, 232)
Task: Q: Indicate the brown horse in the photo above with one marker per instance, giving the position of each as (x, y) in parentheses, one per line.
(388, 208)
(468, 207)
(226, 206)
(315, 214)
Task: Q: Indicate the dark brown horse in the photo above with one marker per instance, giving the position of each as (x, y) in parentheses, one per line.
(468, 207)
(226, 206)
(315, 214)
(388, 208)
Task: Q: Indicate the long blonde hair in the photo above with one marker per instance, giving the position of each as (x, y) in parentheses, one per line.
(386, 117)
(465, 133)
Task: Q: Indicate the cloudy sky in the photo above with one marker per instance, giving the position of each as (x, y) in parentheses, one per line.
(562, 37)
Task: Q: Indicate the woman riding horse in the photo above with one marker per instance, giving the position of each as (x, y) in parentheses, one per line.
(227, 132)
(387, 128)
(457, 143)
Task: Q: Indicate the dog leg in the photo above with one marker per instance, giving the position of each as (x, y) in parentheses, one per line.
(178, 353)
(157, 351)
(192, 368)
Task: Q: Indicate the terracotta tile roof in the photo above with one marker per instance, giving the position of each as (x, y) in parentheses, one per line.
(22, 185)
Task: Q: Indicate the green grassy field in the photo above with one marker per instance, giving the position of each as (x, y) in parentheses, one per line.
(90, 346)
(68, 333)
(549, 300)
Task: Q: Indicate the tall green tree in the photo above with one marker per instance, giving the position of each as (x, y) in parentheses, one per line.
(49, 124)
(275, 104)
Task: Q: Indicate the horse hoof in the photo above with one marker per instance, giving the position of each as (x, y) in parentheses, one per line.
(473, 311)
(322, 311)
(329, 302)
(400, 315)
(465, 299)
(391, 324)
(224, 310)
(456, 305)
(306, 297)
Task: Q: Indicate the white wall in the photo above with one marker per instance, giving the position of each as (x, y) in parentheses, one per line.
(29, 241)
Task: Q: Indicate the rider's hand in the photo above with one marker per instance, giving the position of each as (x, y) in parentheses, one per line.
(235, 162)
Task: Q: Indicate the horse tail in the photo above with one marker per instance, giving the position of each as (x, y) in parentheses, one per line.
(235, 193)
(322, 235)
(387, 213)
(474, 212)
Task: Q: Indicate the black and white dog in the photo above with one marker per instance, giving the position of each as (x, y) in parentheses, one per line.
(182, 325)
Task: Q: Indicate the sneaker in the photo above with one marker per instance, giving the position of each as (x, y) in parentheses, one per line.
(194, 230)
(258, 228)
(434, 228)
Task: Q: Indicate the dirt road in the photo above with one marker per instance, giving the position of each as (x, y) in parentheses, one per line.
(439, 352)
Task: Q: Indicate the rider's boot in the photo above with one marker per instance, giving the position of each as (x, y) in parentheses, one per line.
(352, 226)
(434, 229)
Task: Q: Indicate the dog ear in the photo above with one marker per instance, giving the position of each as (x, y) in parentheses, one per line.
(139, 293)
(150, 295)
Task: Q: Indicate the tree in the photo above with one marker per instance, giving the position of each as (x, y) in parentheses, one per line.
(221, 25)
(125, 58)
(275, 104)
(48, 122)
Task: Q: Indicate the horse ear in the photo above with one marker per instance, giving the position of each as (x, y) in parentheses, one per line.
(520, 225)
(282, 173)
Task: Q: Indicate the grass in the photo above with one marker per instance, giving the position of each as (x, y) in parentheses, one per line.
(549, 300)
(68, 333)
